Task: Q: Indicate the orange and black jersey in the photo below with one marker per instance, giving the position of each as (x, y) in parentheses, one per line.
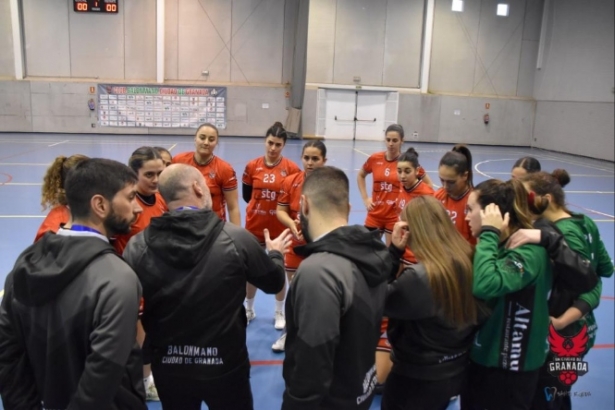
(385, 187)
(456, 208)
(265, 184)
(406, 195)
(219, 175)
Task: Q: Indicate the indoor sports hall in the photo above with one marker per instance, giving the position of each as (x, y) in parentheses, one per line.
(508, 78)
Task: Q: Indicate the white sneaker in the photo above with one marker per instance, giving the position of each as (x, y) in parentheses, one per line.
(279, 320)
(279, 344)
(250, 315)
(151, 393)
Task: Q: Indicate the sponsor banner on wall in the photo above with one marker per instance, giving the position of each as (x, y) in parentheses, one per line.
(156, 106)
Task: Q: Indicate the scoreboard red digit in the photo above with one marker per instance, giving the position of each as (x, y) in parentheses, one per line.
(96, 6)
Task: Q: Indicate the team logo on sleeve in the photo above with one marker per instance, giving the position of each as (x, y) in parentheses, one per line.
(568, 364)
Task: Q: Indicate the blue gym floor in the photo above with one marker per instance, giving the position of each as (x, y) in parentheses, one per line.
(24, 159)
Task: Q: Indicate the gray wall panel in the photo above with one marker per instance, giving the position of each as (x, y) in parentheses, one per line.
(477, 52)
(403, 43)
(454, 48)
(499, 49)
(140, 38)
(359, 41)
(204, 38)
(527, 68)
(420, 114)
(290, 10)
(511, 121)
(257, 44)
(171, 39)
(533, 19)
(46, 38)
(321, 41)
(574, 87)
(89, 56)
(7, 67)
(579, 60)
(580, 128)
(308, 113)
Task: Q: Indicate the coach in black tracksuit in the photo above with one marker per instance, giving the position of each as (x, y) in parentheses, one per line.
(335, 303)
(193, 268)
(68, 319)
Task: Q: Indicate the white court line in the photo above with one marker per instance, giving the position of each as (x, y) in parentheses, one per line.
(58, 143)
(572, 175)
(360, 152)
(1, 293)
(23, 184)
(486, 162)
(26, 164)
(172, 146)
(568, 161)
(22, 216)
(589, 192)
(591, 210)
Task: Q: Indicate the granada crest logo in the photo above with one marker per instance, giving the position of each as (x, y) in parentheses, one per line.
(568, 364)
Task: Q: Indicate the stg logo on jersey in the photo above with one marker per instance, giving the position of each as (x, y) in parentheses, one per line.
(568, 364)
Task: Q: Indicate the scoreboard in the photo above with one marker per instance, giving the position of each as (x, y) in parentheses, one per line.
(96, 6)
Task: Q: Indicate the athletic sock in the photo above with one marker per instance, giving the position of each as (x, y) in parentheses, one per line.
(279, 305)
(250, 304)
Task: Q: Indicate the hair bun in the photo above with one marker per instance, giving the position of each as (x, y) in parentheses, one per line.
(562, 177)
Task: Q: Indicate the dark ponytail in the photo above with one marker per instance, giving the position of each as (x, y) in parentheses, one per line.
(410, 156)
(277, 130)
(543, 183)
(460, 159)
(529, 164)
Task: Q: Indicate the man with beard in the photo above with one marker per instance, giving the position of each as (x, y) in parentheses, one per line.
(68, 317)
(194, 267)
(335, 303)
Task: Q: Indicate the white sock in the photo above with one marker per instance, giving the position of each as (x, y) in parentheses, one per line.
(250, 303)
(279, 305)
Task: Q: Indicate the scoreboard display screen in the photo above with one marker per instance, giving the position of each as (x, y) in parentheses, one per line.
(96, 6)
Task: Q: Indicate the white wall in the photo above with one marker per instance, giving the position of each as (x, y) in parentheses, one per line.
(575, 101)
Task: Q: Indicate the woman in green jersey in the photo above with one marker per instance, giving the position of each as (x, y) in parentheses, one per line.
(510, 347)
(570, 310)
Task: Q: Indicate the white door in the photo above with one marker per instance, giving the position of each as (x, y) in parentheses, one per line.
(371, 110)
(340, 114)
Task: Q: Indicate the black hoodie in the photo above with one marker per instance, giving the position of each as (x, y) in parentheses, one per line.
(333, 314)
(68, 328)
(193, 268)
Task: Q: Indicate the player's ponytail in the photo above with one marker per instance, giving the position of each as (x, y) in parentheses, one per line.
(277, 130)
(53, 193)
